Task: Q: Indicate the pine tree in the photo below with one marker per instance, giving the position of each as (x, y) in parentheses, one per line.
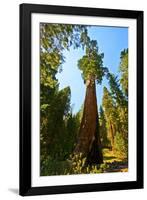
(110, 114)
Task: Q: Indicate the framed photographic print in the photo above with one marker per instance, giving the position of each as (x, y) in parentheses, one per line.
(81, 99)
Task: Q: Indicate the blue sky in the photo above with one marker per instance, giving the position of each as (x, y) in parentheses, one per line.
(111, 41)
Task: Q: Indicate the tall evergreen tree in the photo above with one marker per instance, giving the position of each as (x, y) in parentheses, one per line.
(55, 104)
(119, 95)
(124, 71)
(103, 128)
(110, 114)
(91, 66)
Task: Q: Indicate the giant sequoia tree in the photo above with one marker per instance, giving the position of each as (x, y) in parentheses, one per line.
(91, 65)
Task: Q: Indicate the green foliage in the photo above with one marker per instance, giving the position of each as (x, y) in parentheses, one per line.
(111, 115)
(70, 135)
(80, 166)
(51, 166)
(105, 142)
(116, 91)
(115, 104)
(108, 105)
(60, 36)
(58, 127)
(52, 113)
(54, 38)
(121, 145)
(60, 147)
(91, 64)
(121, 102)
(116, 121)
(80, 114)
(124, 71)
(75, 165)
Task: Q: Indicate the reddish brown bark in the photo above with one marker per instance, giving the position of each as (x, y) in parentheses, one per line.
(88, 140)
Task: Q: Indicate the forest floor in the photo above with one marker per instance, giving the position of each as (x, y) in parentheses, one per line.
(112, 163)
(115, 163)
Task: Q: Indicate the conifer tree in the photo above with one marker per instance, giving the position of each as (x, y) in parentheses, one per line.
(91, 66)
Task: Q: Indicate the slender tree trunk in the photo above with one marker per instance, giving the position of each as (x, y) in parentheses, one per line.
(112, 135)
(89, 140)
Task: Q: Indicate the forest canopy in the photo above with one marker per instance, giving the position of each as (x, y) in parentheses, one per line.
(95, 138)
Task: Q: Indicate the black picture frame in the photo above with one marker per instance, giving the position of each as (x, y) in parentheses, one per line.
(25, 187)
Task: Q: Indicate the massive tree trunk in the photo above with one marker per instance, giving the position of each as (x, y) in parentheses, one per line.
(89, 138)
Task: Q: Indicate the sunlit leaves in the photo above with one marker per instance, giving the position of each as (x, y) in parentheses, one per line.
(124, 71)
(54, 38)
(60, 36)
(91, 64)
(103, 128)
(115, 104)
(116, 91)
(54, 104)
